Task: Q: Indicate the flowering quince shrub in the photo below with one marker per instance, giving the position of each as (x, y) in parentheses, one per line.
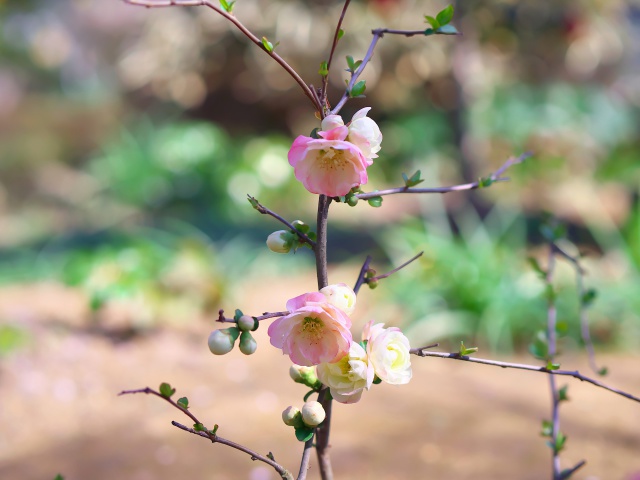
(315, 330)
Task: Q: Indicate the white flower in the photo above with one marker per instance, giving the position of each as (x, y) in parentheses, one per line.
(348, 377)
(340, 296)
(221, 341)
(388, 351)
(313, 413)
(365, 133)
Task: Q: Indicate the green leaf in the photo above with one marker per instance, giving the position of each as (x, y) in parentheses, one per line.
(227, 6)
(536, 267)
(59, 477)
(198, 427)
(254, 203)
(377, 380)
(238, 314)
(431, 21)
(214, 429)
(340, 34)
(484, 182)
(429, 31)
(375, 201)
(552, 366)
(268, 46)
(270, 456)
(312, 236)
(562, 394)
(413, 180)
(301, 226)
(547, 428)
(603, 371)
(588, 297)
(539, 348)
(304, 433)
(351, 63)
(183, 402)
(166, 390)
(562, 327)
(464, 351)
(445, 15)
(560, 441)
(324, 69)
(447, 30)
(358, 89)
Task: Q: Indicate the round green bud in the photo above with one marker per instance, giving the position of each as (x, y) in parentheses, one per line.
(305, 375)
(221, 341)
(247, 323)
(352, 201)
(292, 417)
(247, 343)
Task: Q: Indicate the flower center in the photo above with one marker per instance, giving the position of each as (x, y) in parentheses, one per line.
(332, 159)
(312, 328)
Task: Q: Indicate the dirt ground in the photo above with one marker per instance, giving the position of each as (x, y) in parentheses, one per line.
(60, 413)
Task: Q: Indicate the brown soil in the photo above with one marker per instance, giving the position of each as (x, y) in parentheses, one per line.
(60, 412)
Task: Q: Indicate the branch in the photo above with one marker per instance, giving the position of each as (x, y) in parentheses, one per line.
(283, 472)
(306, 458)
(221, 318)
(361, 275)
(570, 471)
(207, 3)
(391, 272)
(522, 366)
(377, 35)
(482, 183)
(325, 79)
(265, 211)
(320, 248)
(322, 436)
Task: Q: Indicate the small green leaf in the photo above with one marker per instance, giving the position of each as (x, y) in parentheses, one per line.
(431, 21)
(552, 366)
(536, 267)
(254, 203)
(413, 180)
(560, 441)
(238, 314)
(340, 34)
(312, 236)
(375, 201)
(301, 226)
(351, 63)
(59, 477)
(183, 402)
(429, 31)
(271, 457)
(214, 429)
(268, 46)
(304, 433)
(464, 351)
(373, 284)
(547, 428)
(358, 89)
(588, 297)
(377, 380)
(324, 69)
(447, 30)
(603, 371)
(198, 427)
(166, 390)
(539, 348)
(445, 15)
(485, 182)
(227, 6)
(562, 394)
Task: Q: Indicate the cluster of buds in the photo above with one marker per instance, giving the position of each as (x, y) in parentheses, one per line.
(223, 340)
(311, 415)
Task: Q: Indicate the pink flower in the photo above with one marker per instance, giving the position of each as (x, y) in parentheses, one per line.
(313, 332)
(335, 163)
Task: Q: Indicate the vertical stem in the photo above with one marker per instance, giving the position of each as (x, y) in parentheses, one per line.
(551, 339)
(322, 433)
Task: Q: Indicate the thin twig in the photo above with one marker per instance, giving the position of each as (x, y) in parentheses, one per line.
(306, 458)
(523, 366)
(551, 353)
(325, 79)
(361, 275)
(266, 315)
(494, 177)
(391, 272)
(214, 438)
(265, 211)
(584, 321)
(567, 473)
(207, 3)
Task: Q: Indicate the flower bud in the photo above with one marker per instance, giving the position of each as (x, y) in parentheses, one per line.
(340, 296)
(247, 323)
(247, 343)
(292, 417)
(312, 413)
(305, 375)
(280, 241)
(221, 341)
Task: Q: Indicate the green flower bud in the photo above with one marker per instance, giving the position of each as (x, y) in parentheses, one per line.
(312, 413)
(292, 417)
(221, 341)
(280, 241)
(246, 323)
(305, 375)
(247, 343)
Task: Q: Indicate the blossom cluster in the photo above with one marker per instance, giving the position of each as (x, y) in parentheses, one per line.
(337, 161)
(316, 331)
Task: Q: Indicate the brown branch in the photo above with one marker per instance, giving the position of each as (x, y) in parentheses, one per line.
(551, 353)
(325, 79)
(306, 458)
(362, 279)
(391, 272)
(207, 3)
(265, 211)
(522, 366)
(266, 315)
(214, 438)
(361, 275)
(494, 177)
(322, 436)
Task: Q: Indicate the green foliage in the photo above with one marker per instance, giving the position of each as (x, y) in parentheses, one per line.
(227, 6)
(183, 402)
(375, 201)
(166, 390)
(324, 69)
(413, 180)
(358, 89)
(464, 351)
(352, 64)
(304, 433)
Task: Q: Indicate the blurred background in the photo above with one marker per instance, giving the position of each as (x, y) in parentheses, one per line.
(129, 139)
